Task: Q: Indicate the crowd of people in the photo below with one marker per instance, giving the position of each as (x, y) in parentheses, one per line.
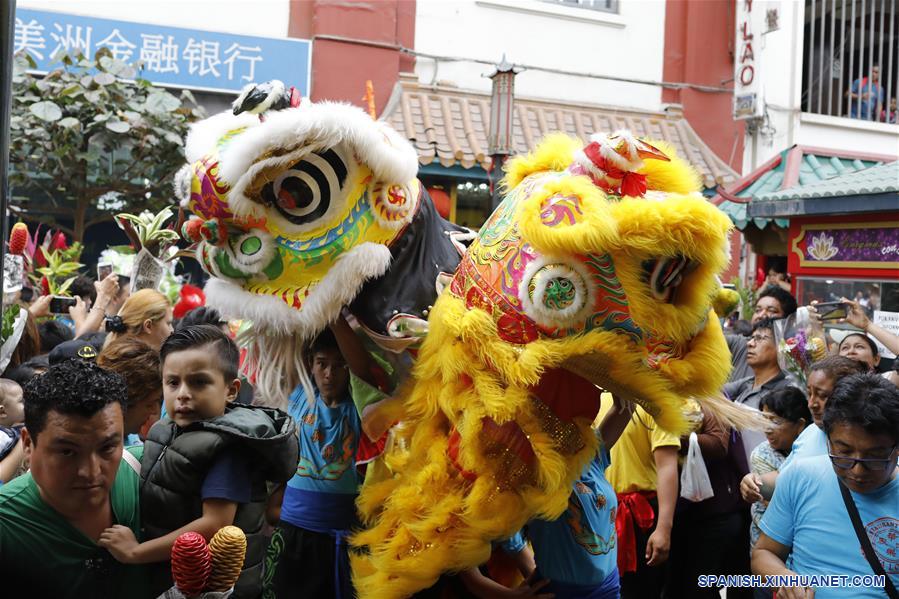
(122, 427)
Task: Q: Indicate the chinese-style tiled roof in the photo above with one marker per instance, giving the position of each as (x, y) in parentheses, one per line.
(788, 173)
(449, 125)
(883, 178)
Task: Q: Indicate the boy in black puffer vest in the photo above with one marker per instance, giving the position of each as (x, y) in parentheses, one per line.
(206, 464)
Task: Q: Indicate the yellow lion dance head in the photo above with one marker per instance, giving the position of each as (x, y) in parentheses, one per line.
(598, 268)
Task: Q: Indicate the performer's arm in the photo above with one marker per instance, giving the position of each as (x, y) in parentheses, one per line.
(353, 351)
(659, 542)
(615, 421)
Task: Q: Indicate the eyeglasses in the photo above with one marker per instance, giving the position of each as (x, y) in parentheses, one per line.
(870, 464)
(760, 338)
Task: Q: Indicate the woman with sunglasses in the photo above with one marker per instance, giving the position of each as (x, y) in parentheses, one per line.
(811, 516)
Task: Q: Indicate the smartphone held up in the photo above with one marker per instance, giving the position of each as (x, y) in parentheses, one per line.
(61, 305)
(832, 310)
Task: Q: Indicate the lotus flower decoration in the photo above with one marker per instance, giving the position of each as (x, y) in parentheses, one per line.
(822, 248)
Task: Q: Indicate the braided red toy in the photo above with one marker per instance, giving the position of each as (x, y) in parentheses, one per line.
(191, 563)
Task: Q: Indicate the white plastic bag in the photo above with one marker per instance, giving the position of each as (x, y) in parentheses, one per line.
(694, 478)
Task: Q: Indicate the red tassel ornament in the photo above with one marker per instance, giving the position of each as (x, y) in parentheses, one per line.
(191, 563)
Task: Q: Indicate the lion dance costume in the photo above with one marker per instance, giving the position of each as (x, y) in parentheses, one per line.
(598, 268)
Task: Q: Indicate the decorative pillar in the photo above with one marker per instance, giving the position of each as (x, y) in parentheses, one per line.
(499, 137)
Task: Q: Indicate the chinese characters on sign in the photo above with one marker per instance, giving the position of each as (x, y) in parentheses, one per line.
(170, 55)
(747, 103)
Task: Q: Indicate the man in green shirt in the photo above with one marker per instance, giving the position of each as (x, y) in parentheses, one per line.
(79, 485)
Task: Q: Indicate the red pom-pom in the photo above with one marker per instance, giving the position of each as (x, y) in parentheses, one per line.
(18, 239)
(190, 230)
(191, 563)
(214, 231)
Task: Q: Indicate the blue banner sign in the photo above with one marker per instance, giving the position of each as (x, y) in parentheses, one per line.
(171, 56)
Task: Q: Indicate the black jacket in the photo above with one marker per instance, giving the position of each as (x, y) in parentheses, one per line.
(176, 460)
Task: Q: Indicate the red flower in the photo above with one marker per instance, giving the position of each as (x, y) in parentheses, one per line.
(45, 286)
(39, 259)
(18, 239)
(59, 242)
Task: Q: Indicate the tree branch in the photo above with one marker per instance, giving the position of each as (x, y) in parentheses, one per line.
(26, 216)
(97, 220)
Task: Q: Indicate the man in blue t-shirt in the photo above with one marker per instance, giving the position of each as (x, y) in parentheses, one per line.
(866, 96)
(807, 516)
(308, 550)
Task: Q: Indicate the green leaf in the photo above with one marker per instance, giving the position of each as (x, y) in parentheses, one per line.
(160, 103)
(46, 111)
(64, 288)
(71, 90)
(173, 137)
(104, 78)
(117, 126)
(70, 122)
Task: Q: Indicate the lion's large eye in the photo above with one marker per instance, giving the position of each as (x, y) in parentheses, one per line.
(556, 292)
(303, 193)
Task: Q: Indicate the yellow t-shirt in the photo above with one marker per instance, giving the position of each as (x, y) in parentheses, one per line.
(633, 467)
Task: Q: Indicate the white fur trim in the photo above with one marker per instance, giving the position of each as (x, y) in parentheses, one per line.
(591, 168)
(541, 271)
(182, 183)
(203, 136)
(338, 288)
(274, 362)
(632, 162)
(254, 263)
(316, 127)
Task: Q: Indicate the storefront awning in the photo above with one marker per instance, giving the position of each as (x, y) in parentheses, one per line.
(449, 126)
(789, 172)
(874, 189)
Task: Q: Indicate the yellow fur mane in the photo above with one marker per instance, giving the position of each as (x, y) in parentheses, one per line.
(437, 512)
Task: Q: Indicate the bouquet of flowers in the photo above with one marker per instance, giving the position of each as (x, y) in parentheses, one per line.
(155, 244)
(797, 350)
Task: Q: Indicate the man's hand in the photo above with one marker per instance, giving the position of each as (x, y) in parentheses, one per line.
(121, 543)
(41, 306)
(78, 312)
(531, 588)
(107, 290)
(750, 488)
(657, 547)
(795, 593)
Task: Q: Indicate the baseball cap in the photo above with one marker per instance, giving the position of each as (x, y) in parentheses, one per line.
(76, 348)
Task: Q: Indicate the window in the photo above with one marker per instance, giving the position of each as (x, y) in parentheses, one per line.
(601, 5)
(850, 65)
(872, 294)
